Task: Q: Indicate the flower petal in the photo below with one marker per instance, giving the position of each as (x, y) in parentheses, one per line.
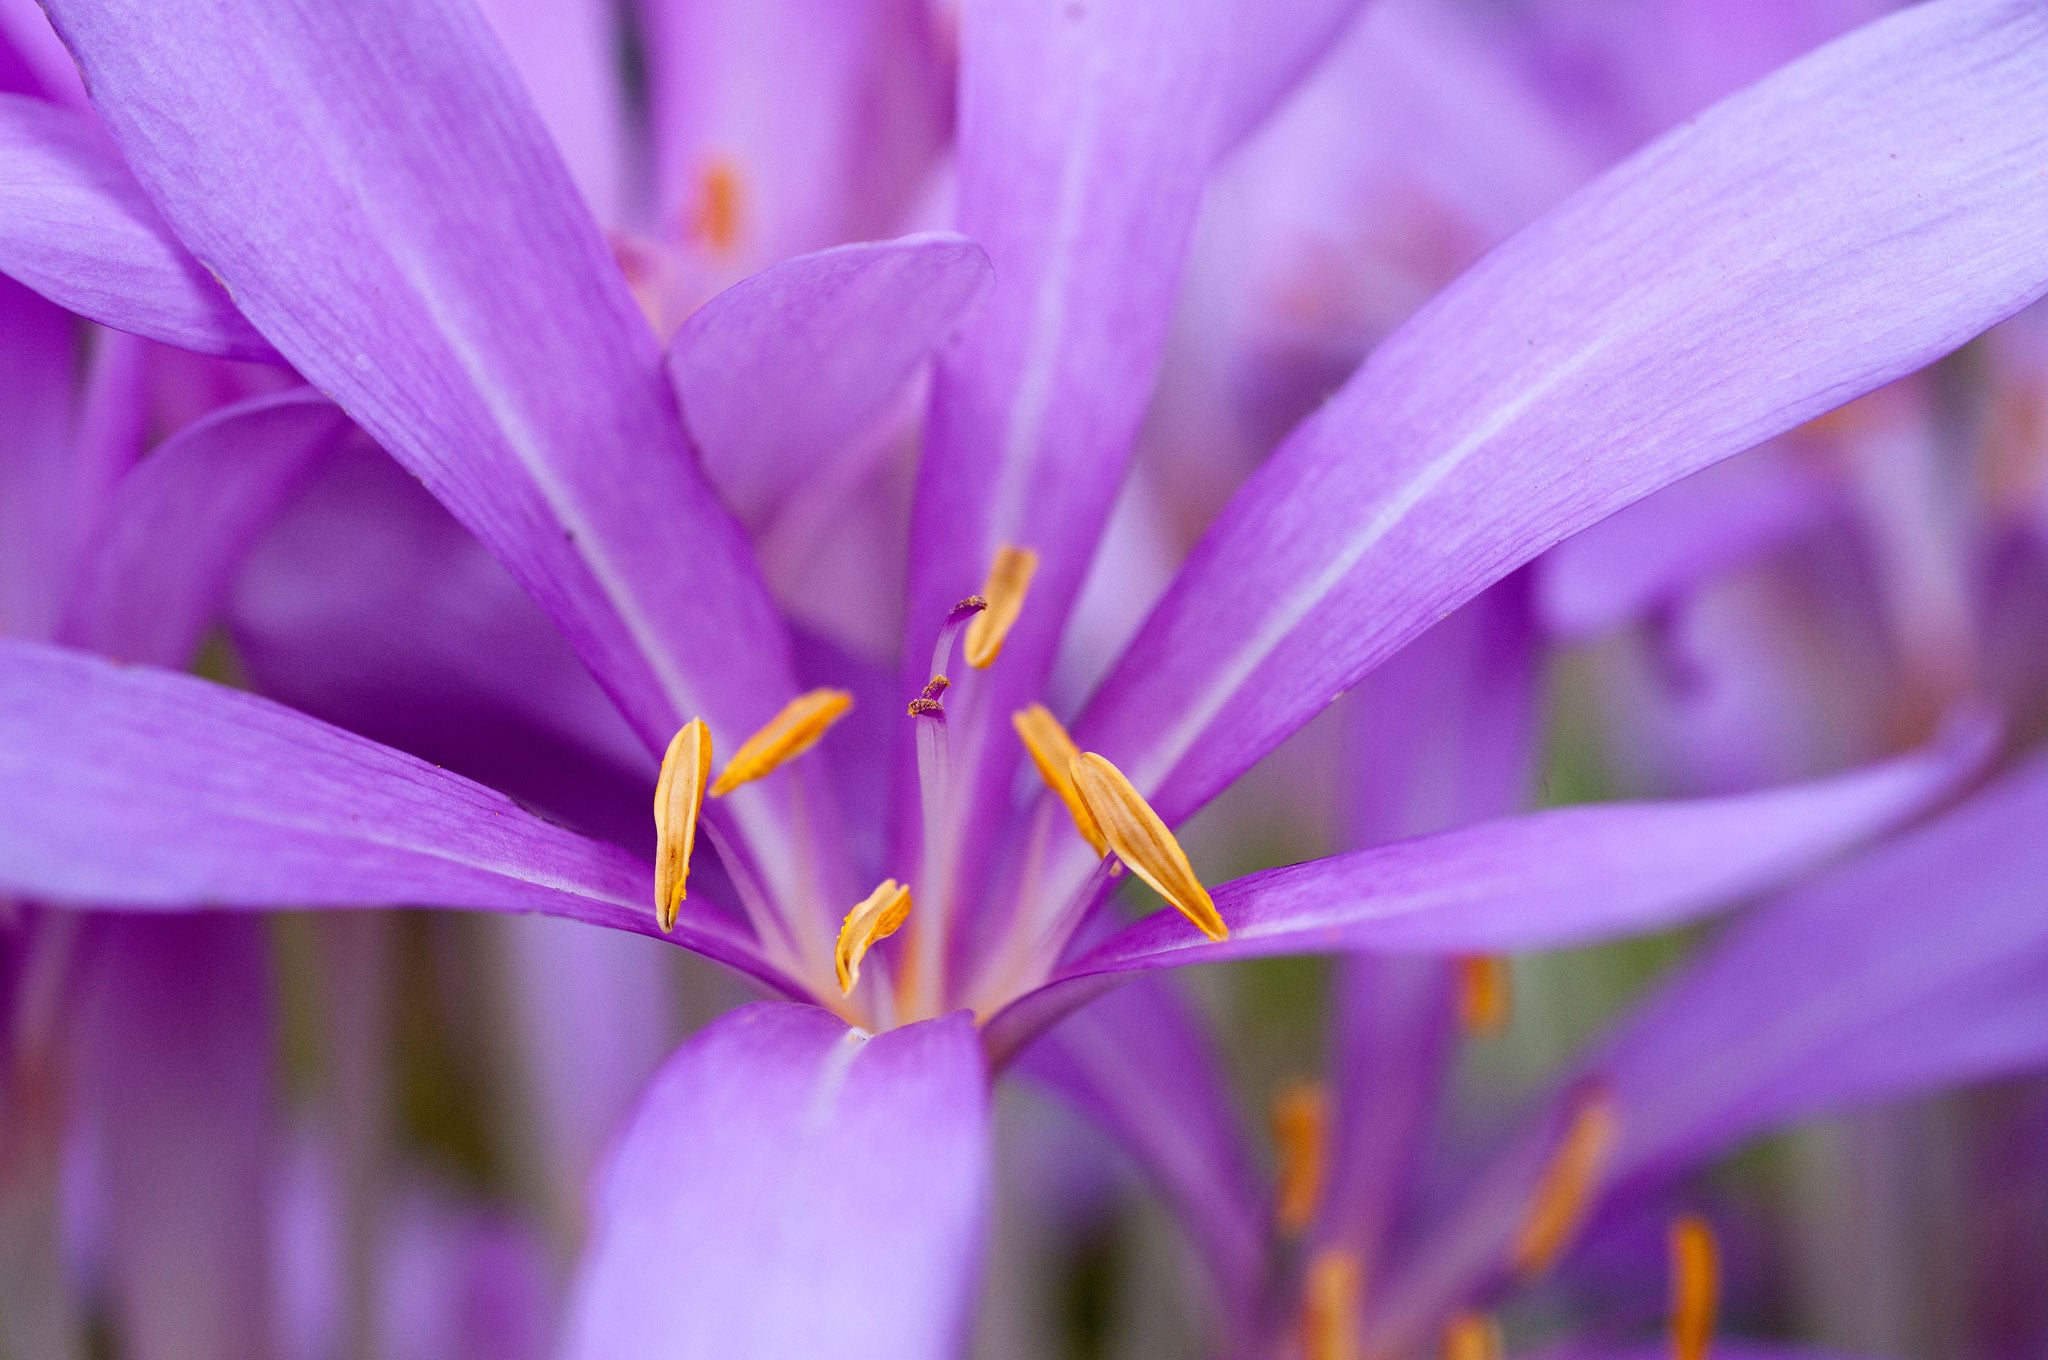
(567, 52)
(373, 185)
(135, 787)
(42, 509)
(1139, 1064)
(1546, 880)
(792, 1187)
(1278, 43)
(77, 228)
(819, 118)
(178, 1052)
(208, 490)
(779, 370)
(1846, 221)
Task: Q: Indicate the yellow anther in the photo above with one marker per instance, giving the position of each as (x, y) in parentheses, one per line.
(1054, 753)
(1299, 1119)
(1009, 577)
(1138, 838)
(1695, 1287)
(1331, 1293)
(1566, 1188)
(1486, 993)
(1472, 1336)
(719, 203)
(789, 734)
(678, 799)
(876, 918)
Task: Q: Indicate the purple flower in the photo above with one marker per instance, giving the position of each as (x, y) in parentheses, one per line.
(380, 202)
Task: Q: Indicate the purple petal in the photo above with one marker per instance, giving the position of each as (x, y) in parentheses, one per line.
(1848, 220)
(178, 1049)
(366, 606)
(136, 787)
(42, 514)
(567, 52)
(793, 1187)
(1547, 880)
(825, 116)
(1662, 548)
(1139, 1064)
(77, 228)
(1852, 988)
(781, 369)
(373, 185)
(208, 490)
(1086, 135)
(24, 29)
(1278, 43)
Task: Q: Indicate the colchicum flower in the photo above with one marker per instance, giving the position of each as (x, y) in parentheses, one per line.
(366, 193)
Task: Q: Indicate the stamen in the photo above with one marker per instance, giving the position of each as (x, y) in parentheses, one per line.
(1330, 1296)
(1567, 1186)
(876, 918)
(789, 734)
(1137, 836)
(958, 617)
(1299, 1118)
(1054, 753)
(1009, 577)
(678, 799)
(719, 193)
(1486, 994)
(1472, 1336)
(1695, 1287)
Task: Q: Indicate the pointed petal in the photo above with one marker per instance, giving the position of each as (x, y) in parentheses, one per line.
(138, 787)
(1848, 220)
(792, 1187)
(209, 490)
(1542, 881)
(77, 228)
(41, 515)
(781, 369)
(1139, 1063)
(1086, 136)
(372, 184)
(1851, 989)
(178, 1051)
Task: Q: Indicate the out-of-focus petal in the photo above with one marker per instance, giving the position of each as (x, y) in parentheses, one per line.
(1908, 969)
(77, 228)
(136, 787)
(1669, 544)
(372, 184)
(1567, 876)
(24, 28)
(366, 606)
(177, 1045)
(1278, 42)
(1139, 1064)
(782, 126)
(792, 1187)
(782, 368)
(41, 515)
(1846, 221)
(208, 490)
(568, 53)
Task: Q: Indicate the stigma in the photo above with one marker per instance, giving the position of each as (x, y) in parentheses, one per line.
(1300, 1120)
(877, 917)
(1136, 835)
(1695, 1287)
(1567, 1185)
(1009, 578)
(678, 800)
(787, 735)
